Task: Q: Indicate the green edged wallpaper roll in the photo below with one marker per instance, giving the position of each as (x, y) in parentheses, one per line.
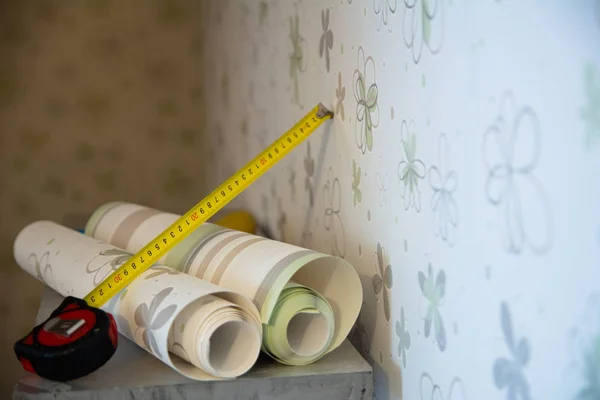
(308, 301)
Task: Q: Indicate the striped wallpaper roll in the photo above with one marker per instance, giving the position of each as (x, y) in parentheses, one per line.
(254, 266)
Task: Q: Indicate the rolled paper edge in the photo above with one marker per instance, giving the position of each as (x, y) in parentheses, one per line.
(298, 359)
(345, 308)
(97, 215)
(183, 366)
(351, 313)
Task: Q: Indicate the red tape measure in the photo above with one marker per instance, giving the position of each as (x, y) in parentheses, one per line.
(74, 341)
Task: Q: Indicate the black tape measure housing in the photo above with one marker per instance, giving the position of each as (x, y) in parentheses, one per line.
(74, 341)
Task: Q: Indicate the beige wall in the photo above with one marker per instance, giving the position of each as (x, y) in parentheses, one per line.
(99, 100)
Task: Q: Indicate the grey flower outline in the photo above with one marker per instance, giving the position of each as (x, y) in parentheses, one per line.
(410, 168)
(147, 319)
(161, 270)
(382, 8)
(356, 175)
(436, 390)
(292, 183)
(422, 17)
(508, 373)
(512, 148)
(340, 94)
(434, 289)
(443, 181)
(403, 337)
(297, 56)
(326, 41)
(382, 186)
(366, 94)
(332, 221)
(281, 220)
(383, 280)
(119, 257)
(309, 168)
(43, 268)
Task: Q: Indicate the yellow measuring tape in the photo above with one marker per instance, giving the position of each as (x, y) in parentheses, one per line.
(206, 208)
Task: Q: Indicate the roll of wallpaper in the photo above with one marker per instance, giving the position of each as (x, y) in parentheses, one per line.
(308, 301)
(201, 330)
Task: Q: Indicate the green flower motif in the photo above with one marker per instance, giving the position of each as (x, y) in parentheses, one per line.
(326, 42)
(591, 391)
(158, 271)
(410, 170)
(590, 112)
(508, 372)
(340, 93)
(309, 168)
(281, 220)
(403, 337)
(297, 61)
(356, 172)
(383, 280)
(433, 289)
(585, 345)
(423, 26)
(366, 94)
(383, 8)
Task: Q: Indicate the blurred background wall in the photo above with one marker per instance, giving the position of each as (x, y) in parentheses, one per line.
(99, 100)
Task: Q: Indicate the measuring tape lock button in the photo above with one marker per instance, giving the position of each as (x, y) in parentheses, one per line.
(74, 341)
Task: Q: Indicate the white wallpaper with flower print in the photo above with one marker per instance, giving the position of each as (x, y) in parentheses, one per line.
(458, 176)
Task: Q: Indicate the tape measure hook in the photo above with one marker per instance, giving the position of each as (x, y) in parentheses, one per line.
(323, 112)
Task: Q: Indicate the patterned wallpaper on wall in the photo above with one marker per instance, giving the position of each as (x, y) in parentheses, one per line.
(457, 177)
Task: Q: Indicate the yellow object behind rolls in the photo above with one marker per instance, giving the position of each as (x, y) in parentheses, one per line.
(238, 220)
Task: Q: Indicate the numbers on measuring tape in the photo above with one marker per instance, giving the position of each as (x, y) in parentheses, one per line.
(152, 252)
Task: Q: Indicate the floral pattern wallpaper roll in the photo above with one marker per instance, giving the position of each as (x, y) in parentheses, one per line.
(458, 176)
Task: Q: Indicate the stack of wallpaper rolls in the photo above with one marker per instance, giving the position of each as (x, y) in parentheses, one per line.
(210, 305)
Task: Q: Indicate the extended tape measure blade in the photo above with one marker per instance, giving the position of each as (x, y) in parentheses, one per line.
(207, 207)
